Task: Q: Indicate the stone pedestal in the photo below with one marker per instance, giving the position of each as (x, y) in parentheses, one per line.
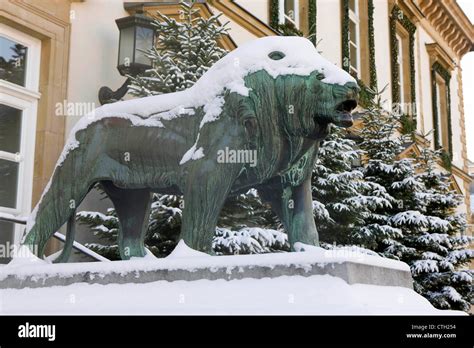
(362, 269)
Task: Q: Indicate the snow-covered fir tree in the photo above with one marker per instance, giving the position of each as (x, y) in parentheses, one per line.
(419, 225)
(341, 198)
(248, 226)
(381, 146)
(247, 210)
(105, 226)
(436, 247)
(184, 51)
(249, 240)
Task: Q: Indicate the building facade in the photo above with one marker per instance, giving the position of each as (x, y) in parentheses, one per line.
(56, 54)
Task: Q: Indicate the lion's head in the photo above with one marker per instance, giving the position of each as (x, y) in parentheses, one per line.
(307, 104)
(287, 79)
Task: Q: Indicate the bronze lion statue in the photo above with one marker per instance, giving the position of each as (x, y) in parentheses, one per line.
(271, 100)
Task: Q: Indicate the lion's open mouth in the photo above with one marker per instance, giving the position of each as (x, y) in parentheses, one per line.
(343, 117)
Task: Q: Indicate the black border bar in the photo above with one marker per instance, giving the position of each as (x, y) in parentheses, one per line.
(137, 331)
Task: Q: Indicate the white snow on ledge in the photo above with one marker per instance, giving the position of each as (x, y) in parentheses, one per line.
(185, 258)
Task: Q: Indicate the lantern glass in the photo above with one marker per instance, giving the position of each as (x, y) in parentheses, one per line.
(126, 53)
(136, 38)
(144, 42)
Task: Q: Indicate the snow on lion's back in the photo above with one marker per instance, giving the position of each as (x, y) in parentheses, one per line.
(300, 58)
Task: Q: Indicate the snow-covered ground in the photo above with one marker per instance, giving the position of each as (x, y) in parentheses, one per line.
(283, 295)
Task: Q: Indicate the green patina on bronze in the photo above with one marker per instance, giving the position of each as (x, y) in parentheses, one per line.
(282, 119)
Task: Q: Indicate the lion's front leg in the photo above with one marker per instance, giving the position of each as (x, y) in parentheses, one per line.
(302, 228)
(294, 206)
(208, 185)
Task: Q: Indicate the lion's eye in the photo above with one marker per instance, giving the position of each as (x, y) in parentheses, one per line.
(276, 55)
(320, 76)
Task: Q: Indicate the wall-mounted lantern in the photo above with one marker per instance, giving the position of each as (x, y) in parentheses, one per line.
(136, 37)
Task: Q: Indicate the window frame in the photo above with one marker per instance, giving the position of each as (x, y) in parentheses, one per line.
(402, 38)
(402, 23)
(363, 20)
(354, 17)
(442, 126)
(282, 16)
(440, 110)
(33, 56)
(442, 68)
(401, 66)
(24, 98)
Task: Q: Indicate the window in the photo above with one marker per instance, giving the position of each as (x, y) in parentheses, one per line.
(403, 82)
(357, 56)
(439, 109)
(472, 196)
(289, 12)
(400, 82)
(12, 61)
(403, 66)
(441, 119)
(354, 40)
(19, 75)
(441, 66)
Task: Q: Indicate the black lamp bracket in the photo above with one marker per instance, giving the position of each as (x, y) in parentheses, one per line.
(106, 95)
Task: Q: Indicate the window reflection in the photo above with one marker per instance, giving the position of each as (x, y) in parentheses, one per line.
(12, 61)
